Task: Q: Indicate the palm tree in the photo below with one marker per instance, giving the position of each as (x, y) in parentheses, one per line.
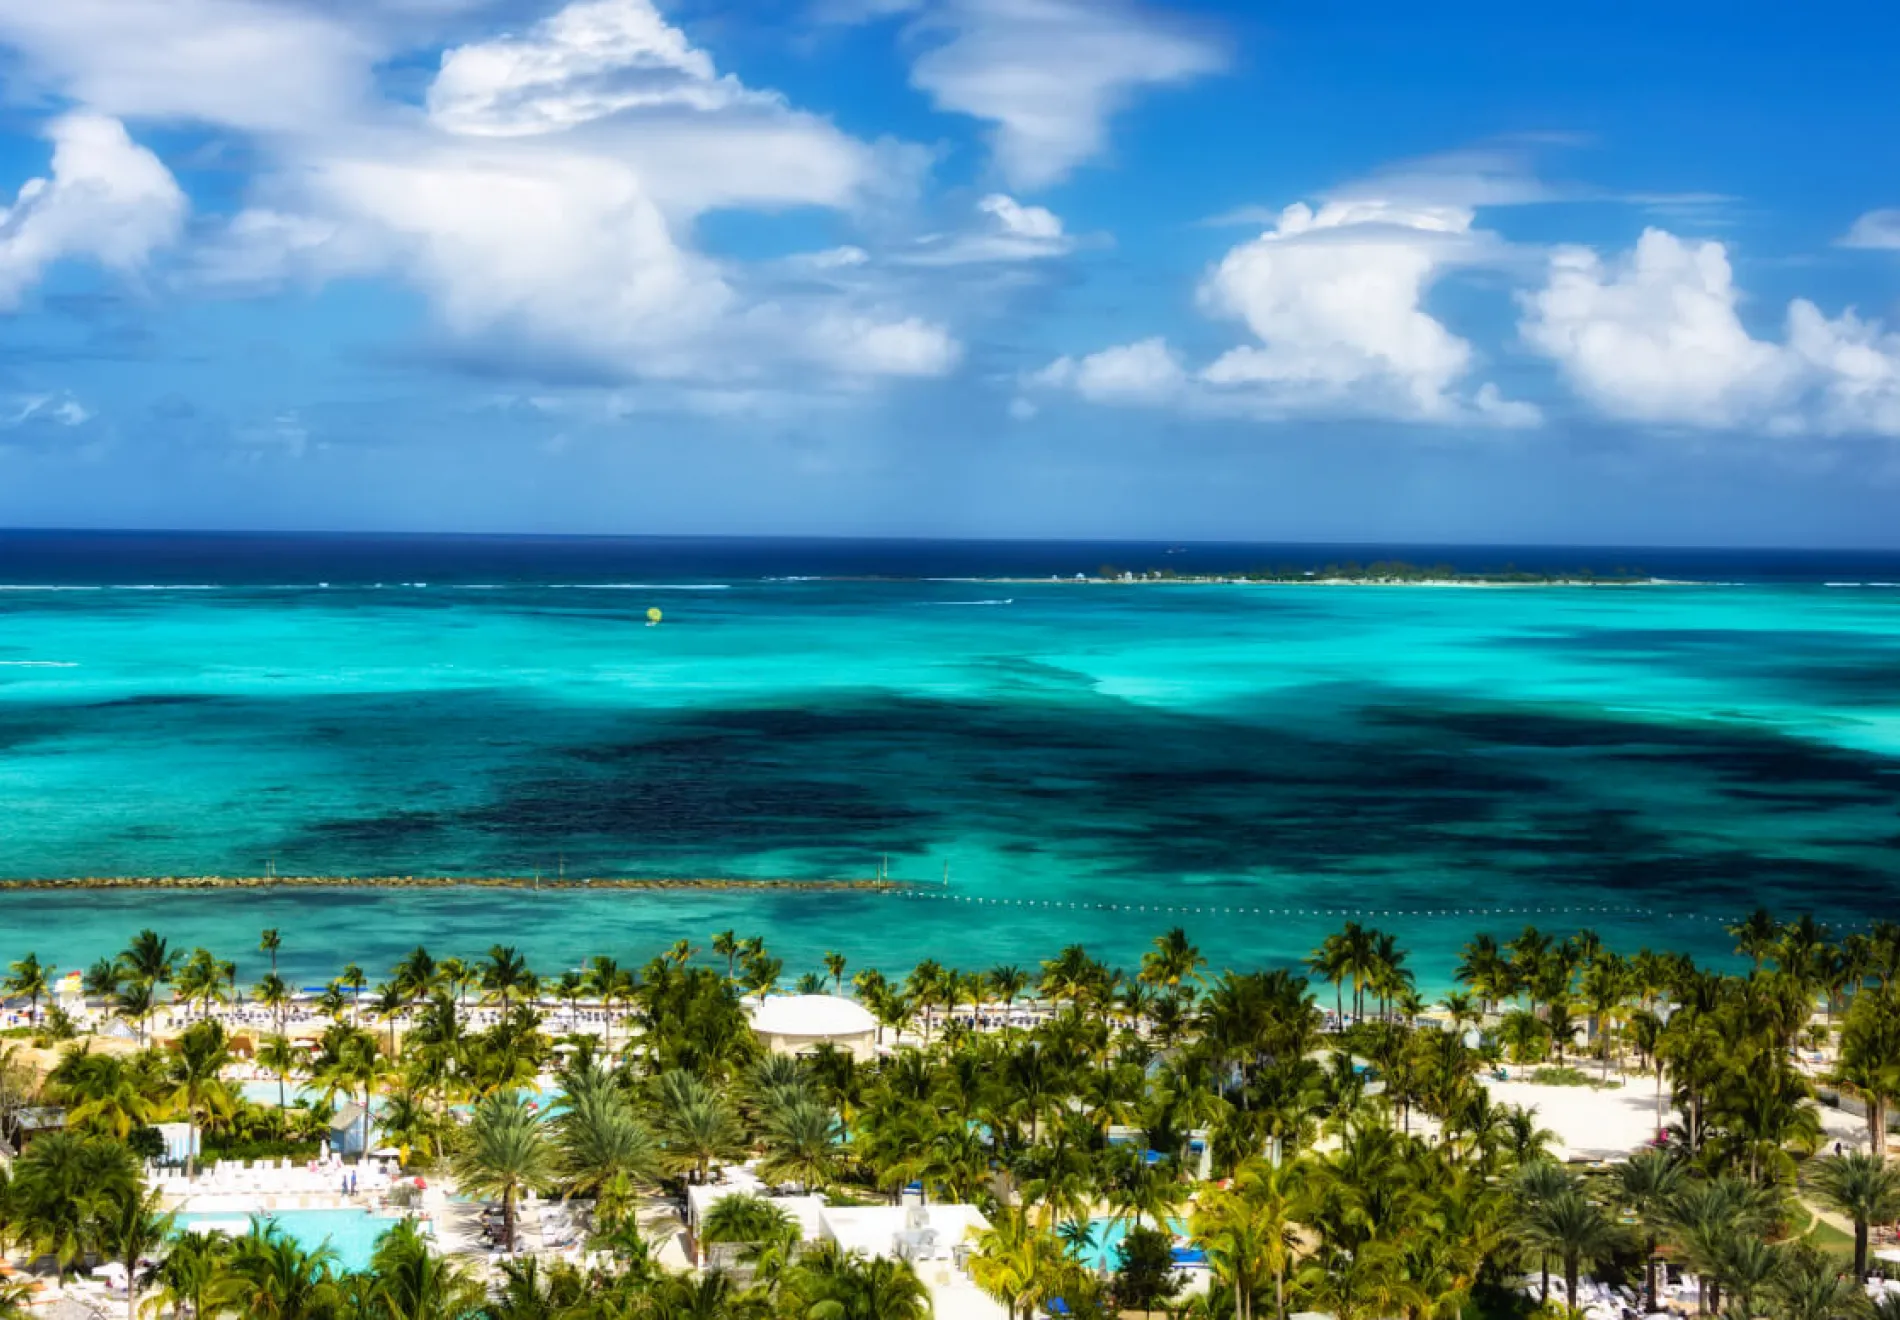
(726, 945)
(612, 984)
(834, 965)
(504, 1152)
(148, 958)
(1485, 970)
(136, 1002)
(1755, 935)
(129, 1227)
(1869, 1066)
(1006, 984)
(1248, 1232)
(200, 981)
(1866, 1189)
(269, 942)
(1172, 961)
(1016, 1262)
(697, 1125)
(1562, 1026)
(195, 1072)
(60, 1185)
(352, 979)
(280, 1056)
(838, 1285)
(103, 1093)
(1746, 1267)
(766, 1233)
(29, 978)
(415, 1283)
(507, 978)
(350, 1065)
(280, 1279)
(1328, 963)
(272, 993)
(1573, 1228)
(102, 979)
(192, 1279)
(761, 975)
(600, 1138)
(1810, 1287)
(1648, 1182)
(1765, 1110)
(800, 1138)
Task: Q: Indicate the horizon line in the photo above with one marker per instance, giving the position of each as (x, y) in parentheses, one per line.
(963, 539)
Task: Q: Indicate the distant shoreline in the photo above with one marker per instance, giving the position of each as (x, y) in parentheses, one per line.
(208, 882)
(1241, 580)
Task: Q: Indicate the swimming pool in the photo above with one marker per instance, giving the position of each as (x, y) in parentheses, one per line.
(1105, 1236)
(352, 1234)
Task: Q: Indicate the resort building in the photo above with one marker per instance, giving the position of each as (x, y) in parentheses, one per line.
(800, 1024)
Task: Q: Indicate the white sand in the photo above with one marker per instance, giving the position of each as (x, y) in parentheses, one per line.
(1609, 1123)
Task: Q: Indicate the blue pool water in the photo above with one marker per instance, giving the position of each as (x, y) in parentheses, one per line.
(351, 1234)
(1105, 1239)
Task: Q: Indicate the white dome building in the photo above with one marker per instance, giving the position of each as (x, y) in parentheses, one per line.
(799, 1024)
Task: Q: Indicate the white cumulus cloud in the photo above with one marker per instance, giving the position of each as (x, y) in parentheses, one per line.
(1020, 221)
(107, 199)
(1656, 336)
(585, 62)
(1876, 229)
(1050, 74)
(1144, 372)
(1334, 300)
(549, 198)
(256, 65)
(1335, 297)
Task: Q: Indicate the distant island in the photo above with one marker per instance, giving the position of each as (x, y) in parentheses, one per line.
(1383, 573)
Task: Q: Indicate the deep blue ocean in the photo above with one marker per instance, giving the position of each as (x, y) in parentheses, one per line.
(1086, 762)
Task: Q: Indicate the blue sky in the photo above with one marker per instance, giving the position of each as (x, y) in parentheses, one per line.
(1615, 274)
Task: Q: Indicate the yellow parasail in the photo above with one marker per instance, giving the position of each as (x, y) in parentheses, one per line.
(653, 617)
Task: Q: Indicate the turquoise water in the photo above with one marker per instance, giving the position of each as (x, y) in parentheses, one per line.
(1088, 762)
(352, 1234)
(1105, 1240)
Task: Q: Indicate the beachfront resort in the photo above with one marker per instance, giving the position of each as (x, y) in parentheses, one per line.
(1572, 1130)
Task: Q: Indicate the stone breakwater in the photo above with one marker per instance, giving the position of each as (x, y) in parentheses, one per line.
(443, 882)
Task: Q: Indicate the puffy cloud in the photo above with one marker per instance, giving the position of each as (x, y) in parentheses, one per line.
(1335, 298)
(1145, 372)
(867, 346)
(246, 64)
(1049, 74)
(565, 249)
(1018, 221)
(1876, 229)
(107, 200)
(548, 199)
(1853, 368)
(1655, 336)
(1008, 232)
(587, 61)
